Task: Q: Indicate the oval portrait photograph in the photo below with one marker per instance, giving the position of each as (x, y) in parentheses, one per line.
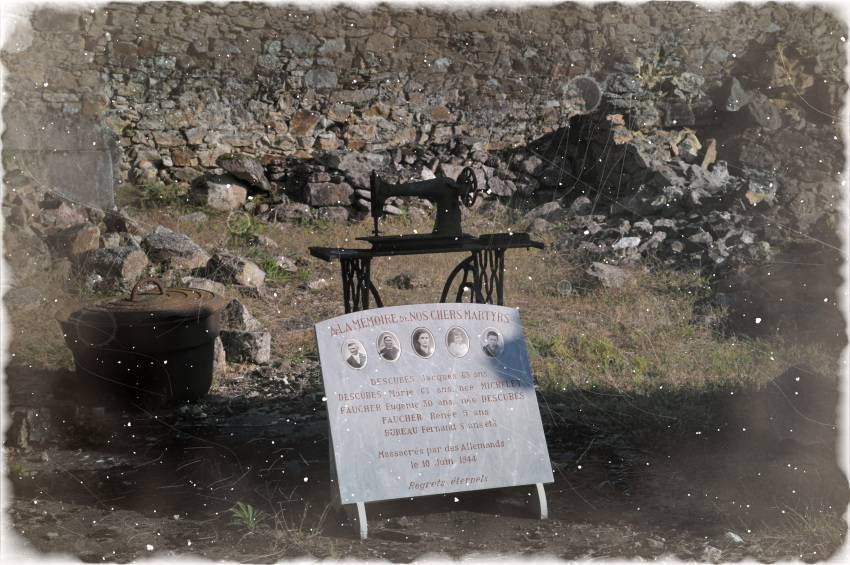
(457, 341)
(354, 353)
(388, 346)
(423, 342)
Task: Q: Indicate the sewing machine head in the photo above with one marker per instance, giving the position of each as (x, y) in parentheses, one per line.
(449, 195)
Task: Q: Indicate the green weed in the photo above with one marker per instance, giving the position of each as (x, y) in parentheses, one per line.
(249, 518)
(15, 471)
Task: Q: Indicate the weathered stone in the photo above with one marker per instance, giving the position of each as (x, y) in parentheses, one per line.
(28, 427)
(246, 346)
(626, 242)
(552, 212)
(709, 154)
(229, 268)
(290, 213)
(235, 316)
(329, 194)
(500, 187)
(765, 115)
(75, 239)
(23, 298)
(760, 189)
(303, 122)
(219, 358)
(334, 214)
(608, 276)
(25, 253)
(123, 264)
(732, 96)
(711, 181)
(174, 249)
(320, 79)
(407, 281)
(581, 206)
(264, 241)
(193, 218)
(654, 242)
(216, 288)
(314, 284)
(222, 192)
(348, 161)
(246, 168)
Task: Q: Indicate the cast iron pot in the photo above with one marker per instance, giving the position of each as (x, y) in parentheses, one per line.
(146, 346)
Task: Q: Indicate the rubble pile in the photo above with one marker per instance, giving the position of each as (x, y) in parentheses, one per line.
(716, 147)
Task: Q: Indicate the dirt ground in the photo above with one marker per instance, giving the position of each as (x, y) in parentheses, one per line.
(120, 484)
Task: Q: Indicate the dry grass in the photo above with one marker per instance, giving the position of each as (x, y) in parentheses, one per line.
(638, 340)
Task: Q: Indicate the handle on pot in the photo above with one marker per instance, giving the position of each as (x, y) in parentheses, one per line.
(144, 282)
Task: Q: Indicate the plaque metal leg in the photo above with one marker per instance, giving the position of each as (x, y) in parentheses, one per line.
(537, 502)
(357, 284)
(356, 512)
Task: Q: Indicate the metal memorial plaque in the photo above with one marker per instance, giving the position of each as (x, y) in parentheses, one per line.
(428, 399)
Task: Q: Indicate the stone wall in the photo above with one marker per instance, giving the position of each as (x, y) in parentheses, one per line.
(705, 136)
(181, 84)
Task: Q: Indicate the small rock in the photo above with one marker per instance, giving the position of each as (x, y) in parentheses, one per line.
(552, 212)
(261, 240)
(407, 281)
(216, 288)
(227, 267)
(23, 298)
(118, 264)
(245, 168)
(75, 239)
(174, 249)
(236, 316)
(609, 276)
(247, 346)
(315, 284)
(25, 252)
(195, 218)
(712, 554)
(626, 242)
(222, 192)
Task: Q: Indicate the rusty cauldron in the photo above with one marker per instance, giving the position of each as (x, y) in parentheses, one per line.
(147, 346)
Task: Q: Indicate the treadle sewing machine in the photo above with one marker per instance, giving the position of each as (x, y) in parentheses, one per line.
(483, 270)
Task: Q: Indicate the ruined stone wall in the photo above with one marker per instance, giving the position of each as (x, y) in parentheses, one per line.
(181, 84)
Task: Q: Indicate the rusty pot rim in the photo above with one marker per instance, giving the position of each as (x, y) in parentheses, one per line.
(161, 304)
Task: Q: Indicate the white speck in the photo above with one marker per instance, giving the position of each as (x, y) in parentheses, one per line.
(758, 320)
(150, 547)
(305, 479)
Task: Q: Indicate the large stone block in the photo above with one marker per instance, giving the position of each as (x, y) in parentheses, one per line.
(174, 249)
(222, 192)
(329, 194)
(229, 268)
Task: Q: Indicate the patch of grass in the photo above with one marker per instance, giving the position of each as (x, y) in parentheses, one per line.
(810, 534)
(249, 518)
(15, 471)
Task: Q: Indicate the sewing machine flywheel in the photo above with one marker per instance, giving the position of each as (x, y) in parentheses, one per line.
(470, 181)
